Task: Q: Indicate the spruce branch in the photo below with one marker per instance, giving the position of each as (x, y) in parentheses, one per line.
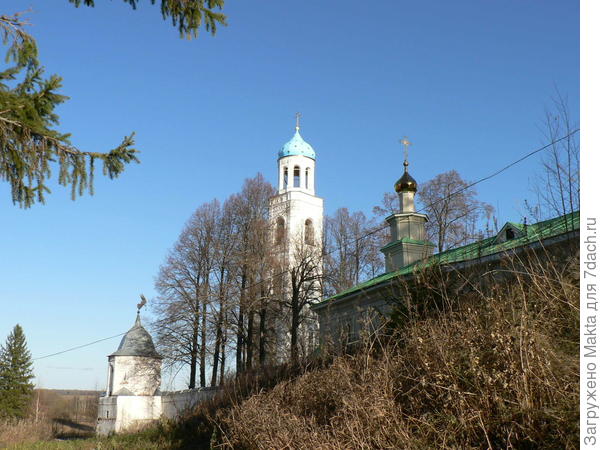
(29, 146)
(187, 15)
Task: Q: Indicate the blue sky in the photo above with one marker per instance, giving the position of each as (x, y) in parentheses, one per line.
(467, 81)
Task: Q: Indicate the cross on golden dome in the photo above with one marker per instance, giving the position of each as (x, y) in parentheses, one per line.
(406, 143)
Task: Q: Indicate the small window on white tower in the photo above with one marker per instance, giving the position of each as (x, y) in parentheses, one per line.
(280, 231)
(285, 177)
(306, 176)
(296, 176)
(309, 232)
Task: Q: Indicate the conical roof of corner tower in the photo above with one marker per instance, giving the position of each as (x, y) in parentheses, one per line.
(297, 146)
(137, 342)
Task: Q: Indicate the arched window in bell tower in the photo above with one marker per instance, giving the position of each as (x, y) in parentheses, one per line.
(296, 176)
(306, 178)
(285, 177)
(309, 232)
(279, 231)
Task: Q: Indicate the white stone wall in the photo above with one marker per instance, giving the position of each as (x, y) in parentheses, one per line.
(127, 412)
(134, 375)
(175, 404)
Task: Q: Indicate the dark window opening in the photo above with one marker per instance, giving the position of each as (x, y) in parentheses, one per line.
(306, 178)
(309, 232)
(280, 231)
(296, 176)
(285, 177)
(510, 234)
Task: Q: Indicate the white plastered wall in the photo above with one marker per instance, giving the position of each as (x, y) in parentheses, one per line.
(134, 375)
(127, 412)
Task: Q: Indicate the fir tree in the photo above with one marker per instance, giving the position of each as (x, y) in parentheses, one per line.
(187, 15)
(16, 374)
(29, 146)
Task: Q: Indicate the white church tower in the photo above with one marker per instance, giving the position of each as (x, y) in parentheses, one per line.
(296, 213)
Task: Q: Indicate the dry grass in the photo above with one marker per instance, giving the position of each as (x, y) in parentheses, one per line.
(53, 415)
(495, 369)
(24, 430)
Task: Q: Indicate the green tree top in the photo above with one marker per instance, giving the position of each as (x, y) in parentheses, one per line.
(15, 375)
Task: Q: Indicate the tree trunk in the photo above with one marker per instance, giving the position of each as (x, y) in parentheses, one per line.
(203, 346)
(218, 338)
(250, 340)
(295, 323)
(239, 349)
(262, 332)
(223, 355)
(195, 331)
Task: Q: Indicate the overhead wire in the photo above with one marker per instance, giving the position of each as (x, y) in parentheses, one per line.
(78, 347)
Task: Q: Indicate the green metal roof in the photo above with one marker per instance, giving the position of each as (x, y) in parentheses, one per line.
(531, 234)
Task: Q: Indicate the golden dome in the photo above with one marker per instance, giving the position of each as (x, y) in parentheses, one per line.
(406, 183)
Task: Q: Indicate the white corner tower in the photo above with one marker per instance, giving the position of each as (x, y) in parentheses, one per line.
(132, 394)
(408, 242)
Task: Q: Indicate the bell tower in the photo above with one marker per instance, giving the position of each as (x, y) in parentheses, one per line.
(296, 212)
(296, 216)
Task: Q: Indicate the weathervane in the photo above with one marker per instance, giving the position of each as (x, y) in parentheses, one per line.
(141, 304)
(406, 143)
(298, 115)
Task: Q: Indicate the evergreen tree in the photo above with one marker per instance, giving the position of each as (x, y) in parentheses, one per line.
(187, 15)
(28, 143)
(29, 146)
(16, 388)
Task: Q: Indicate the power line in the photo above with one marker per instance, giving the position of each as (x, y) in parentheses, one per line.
(78, 347)
(481, 180)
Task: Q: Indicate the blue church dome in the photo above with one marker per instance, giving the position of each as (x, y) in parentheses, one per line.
(297, 146)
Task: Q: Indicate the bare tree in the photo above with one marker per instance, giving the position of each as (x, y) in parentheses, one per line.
(352, 250)
(557, 186)
(453, 209)
(184, 293)
(222, 281)
(300, 285)
(253, 252)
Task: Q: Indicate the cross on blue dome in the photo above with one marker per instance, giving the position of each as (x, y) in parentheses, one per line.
(297, 146)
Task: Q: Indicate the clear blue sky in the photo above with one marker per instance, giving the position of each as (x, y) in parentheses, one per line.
(467, 81)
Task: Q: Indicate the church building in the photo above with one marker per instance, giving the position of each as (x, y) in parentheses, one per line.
(345, 315)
